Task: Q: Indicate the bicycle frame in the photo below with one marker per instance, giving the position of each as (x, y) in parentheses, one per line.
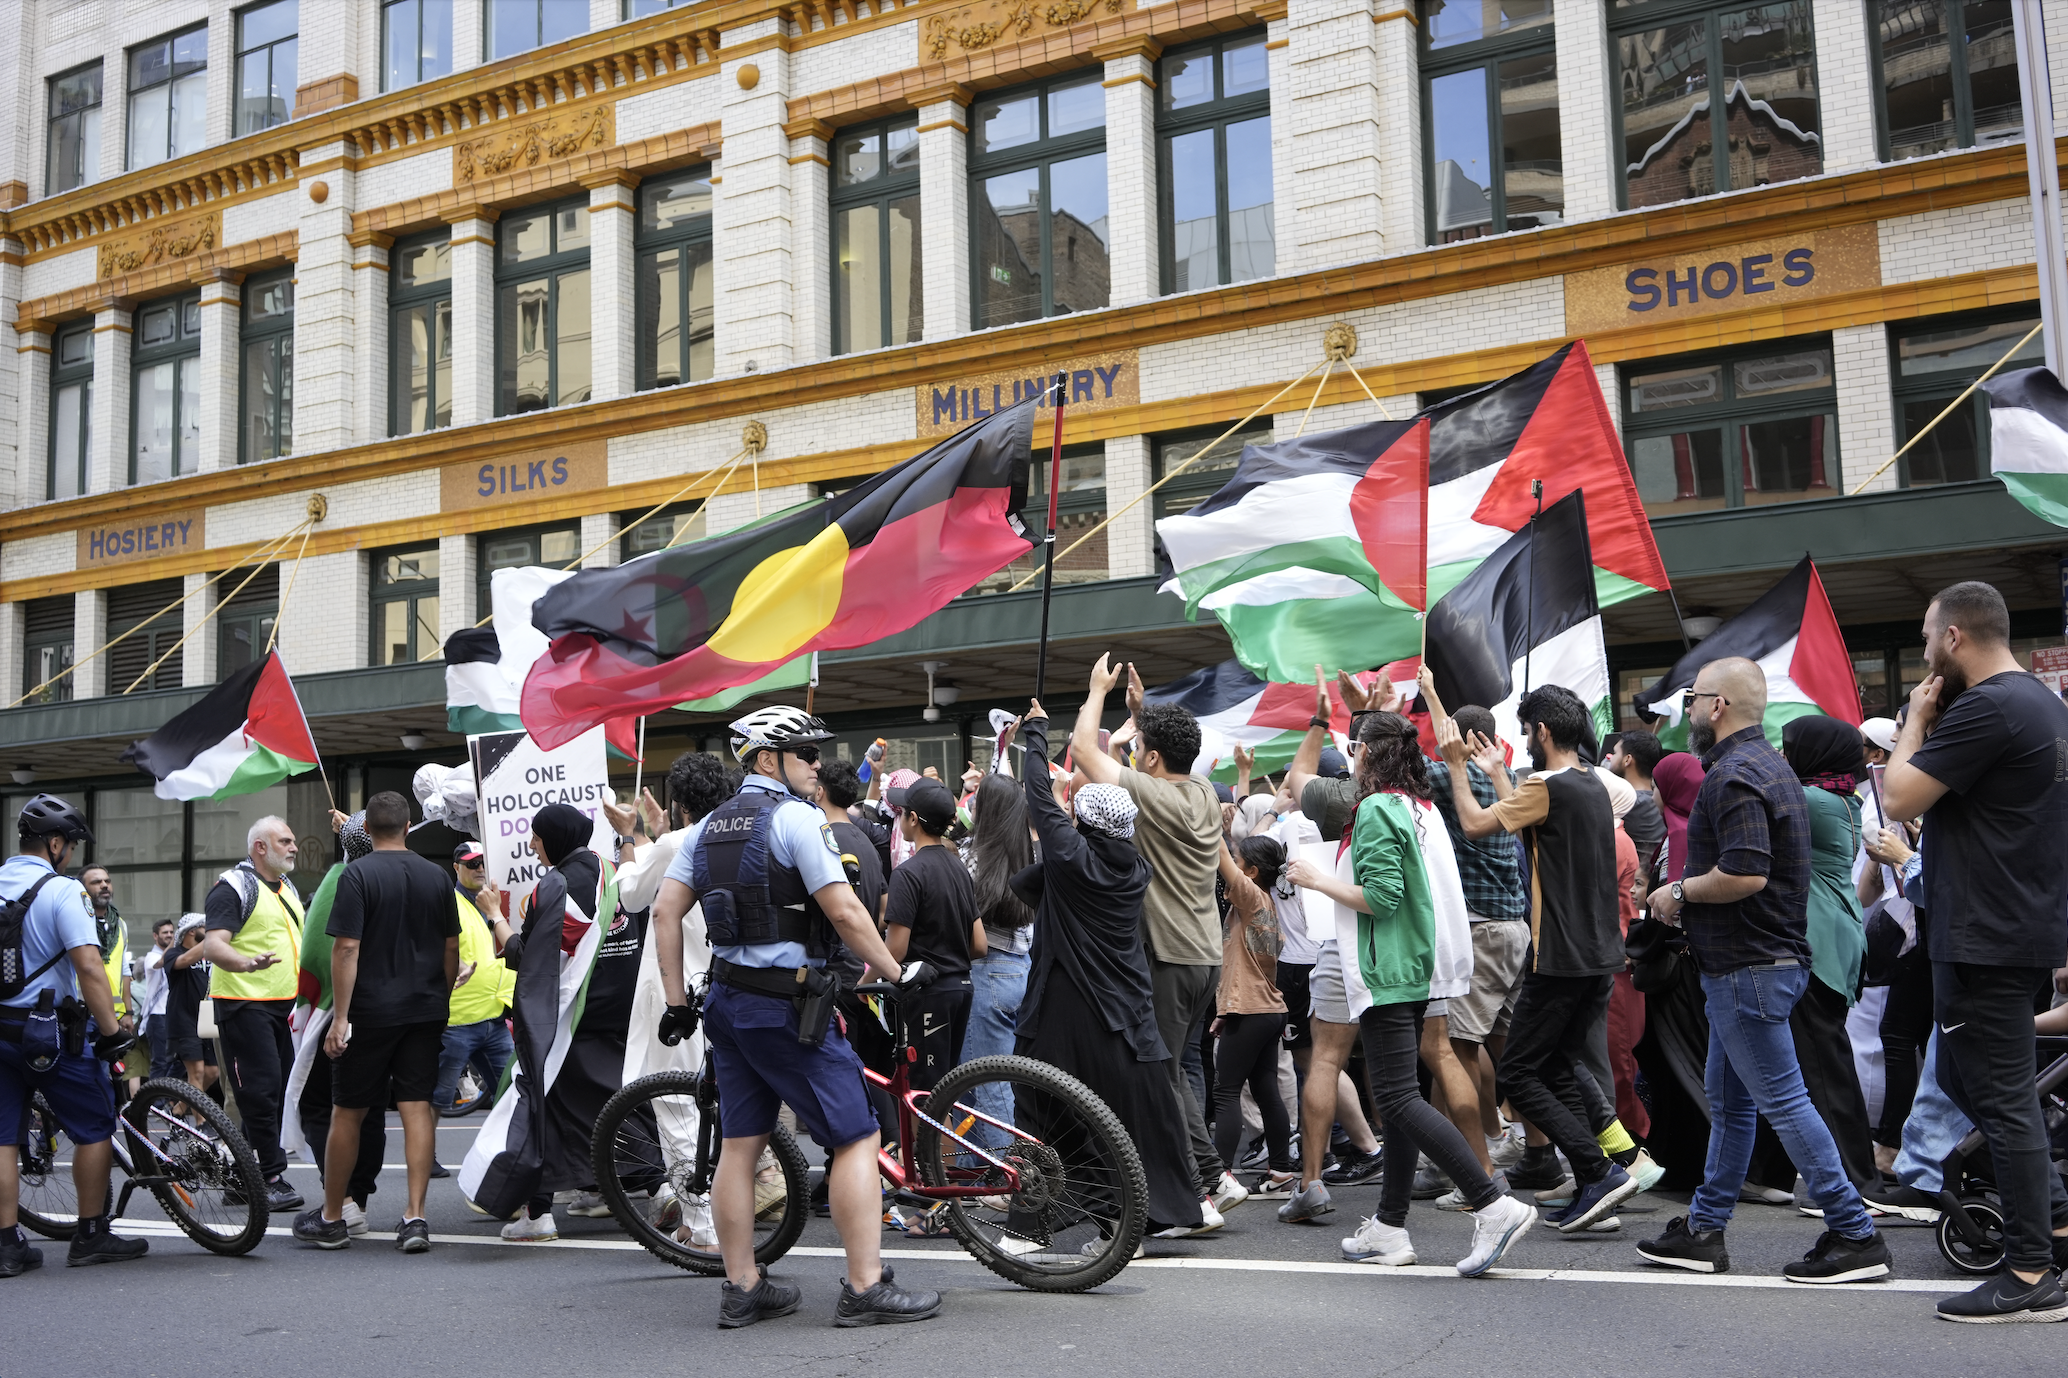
(911, 1109)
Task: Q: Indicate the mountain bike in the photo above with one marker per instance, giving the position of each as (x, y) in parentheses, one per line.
(173, 1140)
(1041, 1181)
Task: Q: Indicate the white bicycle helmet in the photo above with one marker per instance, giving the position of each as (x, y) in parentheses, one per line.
(781, 728)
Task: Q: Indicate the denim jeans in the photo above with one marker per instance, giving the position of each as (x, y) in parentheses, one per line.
(1751, 1072)
(1933, 1128)
(1000, 984)
(487, 1045)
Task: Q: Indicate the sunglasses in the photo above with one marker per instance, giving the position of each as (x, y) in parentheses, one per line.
(807, 754)
(474, 865)
(1688, 697)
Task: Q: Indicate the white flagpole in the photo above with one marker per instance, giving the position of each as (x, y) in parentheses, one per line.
(2043, 177)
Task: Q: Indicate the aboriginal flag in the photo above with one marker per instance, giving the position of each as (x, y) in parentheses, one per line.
(694, 620)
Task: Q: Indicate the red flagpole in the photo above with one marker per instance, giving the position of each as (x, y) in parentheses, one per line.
(1048, 573)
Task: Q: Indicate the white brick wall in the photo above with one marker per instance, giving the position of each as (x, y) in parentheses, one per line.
(89, 634)
(1866, 411)
(456, 586)
(944, 217)
(221, 325)
(874, 54)
(1336, 210)
(58, 273)
(30, 479)
(613, 211)
(1611, 393)
(370, 343)
(1586, 123)
(107, 467)
(752, 215)
(421, 174)
(11, 618)
(811, 296)
(279, 213)
(197, 656)
(1132, 217)
(323, 614)
(1130, 544)
(1845, 84)
(598, 549)
(1966, 239)
(473, 322)
(1400, 134)
(680, 106)
(37, 556)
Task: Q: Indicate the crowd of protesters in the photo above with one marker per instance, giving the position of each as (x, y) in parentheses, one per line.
(1526, 980)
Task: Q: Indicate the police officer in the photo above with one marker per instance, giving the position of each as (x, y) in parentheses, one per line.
(61, 959)
(776, 901)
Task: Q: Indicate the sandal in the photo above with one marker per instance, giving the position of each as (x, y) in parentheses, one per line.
(932, 1225)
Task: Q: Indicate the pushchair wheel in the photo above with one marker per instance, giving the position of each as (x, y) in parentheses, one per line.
(1967, 1256)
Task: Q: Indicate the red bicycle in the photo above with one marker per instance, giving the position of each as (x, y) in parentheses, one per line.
(1040, 1179)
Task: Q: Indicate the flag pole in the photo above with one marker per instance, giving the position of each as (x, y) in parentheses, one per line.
(1048, 569)
(639, 765)
(2042, 175)
(1529, 638)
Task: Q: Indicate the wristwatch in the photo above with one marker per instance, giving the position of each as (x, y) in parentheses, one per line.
(1679, 895)
(1317, 721)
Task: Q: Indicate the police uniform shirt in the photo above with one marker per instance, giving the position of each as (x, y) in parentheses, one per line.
(799, 838)
(60, 919)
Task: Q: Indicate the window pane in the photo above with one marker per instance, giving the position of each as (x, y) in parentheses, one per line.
(1007, 123)
(424, 612)
(901, 149)
(907, 294)
(436, 50)
(188, 456)
(190, 51)
(153, 422)
(150, 64)
(423, 264)
(1679, 473)
(563, 19)
(676, 203)
(526, 382)
(1951, 453)
(1992, 70)
(1532, 169)
(513, 27)
(75, 349)
(570, 229)
(1790, 459)
(559, 547)
(1917, 77)
(391, 643)
(507, 553)
(659, 289)
(1081, 105)
(68, 160)
(157, 324)
(571, 321)
(1968, 349)
(1195, 247)
(527, 237)
(1009, 248)
(857, 158)
(1188, 79)
(1780, 373)
(1245, 67)
(1667, 148)
(1463, 155)
(190, 318)
(254, 91)
(68, 440)
(189, 114)
(260, 399)
(409, 567)
(150, 123)
(413, 369)
(270, 301)
(858, 254)
(1769, 69)
(76, 91)
(441, 371)
(398, 44)
(1684, 387)
(1081, 269)
(266, 23)
(1252, 236)
(703, 360)
(132, 826)
(1462, 21)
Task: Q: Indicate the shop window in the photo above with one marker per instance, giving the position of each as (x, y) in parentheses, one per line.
(405, 606)
(1740, 429)
(1038, 218)
(266, 389)
(542, 309)
(1213, 125)
(420, 335)
(165, 403)
(878, 296)
(71, 410)
(1933, 362)
(673, 247)
(1672, 58)
(1946, 75)
(1490, 110)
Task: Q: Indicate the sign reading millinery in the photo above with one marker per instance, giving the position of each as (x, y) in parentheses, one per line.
(1731, 277)
(141, 537)
(523, 477)
(514, 777)
(1098, 382)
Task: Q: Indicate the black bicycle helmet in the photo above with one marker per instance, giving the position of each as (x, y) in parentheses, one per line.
(46, 814)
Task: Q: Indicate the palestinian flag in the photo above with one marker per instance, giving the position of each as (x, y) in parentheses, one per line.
(1792, 633)
(1235, 708)
(248, 733)
(1524, 618)
(2028, 439)
(695, 620)
(1291, 595)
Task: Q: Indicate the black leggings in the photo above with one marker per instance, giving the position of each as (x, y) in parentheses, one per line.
(1248, 1053)
(1392, 1037)
(1906, 1022)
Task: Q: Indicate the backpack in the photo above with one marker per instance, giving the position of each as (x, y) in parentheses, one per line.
(14, 917)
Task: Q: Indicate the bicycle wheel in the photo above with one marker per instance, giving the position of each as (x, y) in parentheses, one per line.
(645, 1153)
(1082, 1201)
(204, 1175)
(49, 1202)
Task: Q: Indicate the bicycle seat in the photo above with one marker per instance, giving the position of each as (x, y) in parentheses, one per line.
(876, 988)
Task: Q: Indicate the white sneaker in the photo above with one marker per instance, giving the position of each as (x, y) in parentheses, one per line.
(1454, 1199)
(1382, 1244)
(1494, 1232)
(1613, 1222)
(1230, 1193)
(355, 1218)
(664, 1210)
(1507, 1148)
(525, 1230)
(1647, 1172)
(1211, 1220)
(589, 1204)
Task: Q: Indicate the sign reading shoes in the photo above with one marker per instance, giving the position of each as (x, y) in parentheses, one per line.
(523, 477)
(1729, 277)
(1098, 382)
(141, 537)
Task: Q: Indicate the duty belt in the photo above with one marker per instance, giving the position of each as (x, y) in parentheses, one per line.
(784, 983)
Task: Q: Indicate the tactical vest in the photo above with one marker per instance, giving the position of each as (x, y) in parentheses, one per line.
(748, 898)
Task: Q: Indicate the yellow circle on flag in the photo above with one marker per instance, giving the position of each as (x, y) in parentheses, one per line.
(785, 601)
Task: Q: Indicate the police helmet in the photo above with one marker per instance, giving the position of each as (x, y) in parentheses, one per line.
(46, 814)
(781, 728)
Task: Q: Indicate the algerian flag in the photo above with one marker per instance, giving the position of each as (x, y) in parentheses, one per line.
(1524, 618)
(249, 732)
(1792, 634)
(1235, 708)
(2028, 439)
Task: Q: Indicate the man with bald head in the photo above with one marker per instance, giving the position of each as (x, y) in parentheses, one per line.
(1744, 901)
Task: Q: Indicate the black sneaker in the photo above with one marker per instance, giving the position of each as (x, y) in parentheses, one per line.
(1907, 1202)
(1698, 1251)
(884, 1304)
(767, 1298)
(411, 1236)
(311, 1228)
(439, 1169)
(1355, 1169)
(2007, 1299)
(280, 1196)
(1538, 1169)
(17, 1255)
(1838, 1259)
(93, 1243)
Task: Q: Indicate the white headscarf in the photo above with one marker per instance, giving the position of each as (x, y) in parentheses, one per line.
(1108, 809)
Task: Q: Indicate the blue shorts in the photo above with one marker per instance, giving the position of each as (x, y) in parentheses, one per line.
(762, 1067)
(77, 1089)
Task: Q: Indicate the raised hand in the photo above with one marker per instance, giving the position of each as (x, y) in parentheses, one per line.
(1104, 676)
(1449, 743)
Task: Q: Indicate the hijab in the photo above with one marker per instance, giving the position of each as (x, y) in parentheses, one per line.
(1825, 752)
(1676, 781)
(562, 829)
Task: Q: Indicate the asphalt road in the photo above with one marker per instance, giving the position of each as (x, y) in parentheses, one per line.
(1257, 1297)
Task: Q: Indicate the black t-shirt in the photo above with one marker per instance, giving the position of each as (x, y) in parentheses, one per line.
(852, 841)
(1571, 834)
(932, 895)
(1995, 863)
(185, 988)
(399, 906)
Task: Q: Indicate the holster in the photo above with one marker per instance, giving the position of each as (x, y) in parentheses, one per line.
(72, 1019)
(815, 1010)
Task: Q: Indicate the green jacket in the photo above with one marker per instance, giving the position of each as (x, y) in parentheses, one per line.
(1837, 941)
(1396, 941)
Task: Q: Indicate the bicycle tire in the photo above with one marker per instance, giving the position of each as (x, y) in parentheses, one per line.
(1094, 1183)
(216, 1195)
(49, 1201)
(623, 1140)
